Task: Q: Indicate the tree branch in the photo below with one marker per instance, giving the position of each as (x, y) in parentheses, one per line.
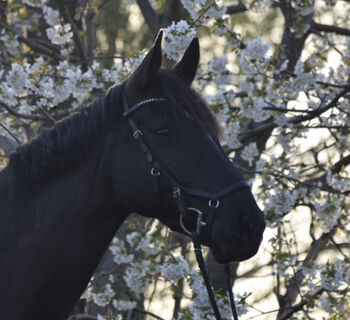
(317, 112)
(292, 43)
(79, 43)
(89, 34)
(343, 162)
(319, 27)
(148, 313)
(10, 133)
(286, 302)
(257, 129)
(237, 8)
(336, 168)
(21, 115)
(150, 15)
(30, 43)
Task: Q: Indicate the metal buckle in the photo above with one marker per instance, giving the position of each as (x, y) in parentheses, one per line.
(214, 203)
(176, 192)
(200, 223)
(137, 133)
(155, 172)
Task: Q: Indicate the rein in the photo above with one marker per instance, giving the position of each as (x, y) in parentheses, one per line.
(178, 194)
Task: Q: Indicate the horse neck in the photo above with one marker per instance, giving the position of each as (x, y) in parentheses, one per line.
(55, 235)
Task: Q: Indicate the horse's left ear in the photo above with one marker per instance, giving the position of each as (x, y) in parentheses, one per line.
(150, 63)
(187, 67)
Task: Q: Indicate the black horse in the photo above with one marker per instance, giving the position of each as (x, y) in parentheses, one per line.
(149, 146)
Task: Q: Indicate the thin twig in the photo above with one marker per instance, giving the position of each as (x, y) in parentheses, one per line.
(31, 43)
(10, 133)
(148, 313)
(21, 115)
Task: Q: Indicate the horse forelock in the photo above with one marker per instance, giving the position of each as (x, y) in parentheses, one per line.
(185, 98)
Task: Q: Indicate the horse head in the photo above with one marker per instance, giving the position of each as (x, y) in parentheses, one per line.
(170, 164)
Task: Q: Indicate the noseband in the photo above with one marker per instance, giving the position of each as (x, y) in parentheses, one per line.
(179, 191)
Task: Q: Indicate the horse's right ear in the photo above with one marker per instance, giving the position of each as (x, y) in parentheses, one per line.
(186, 68)
(150, 63)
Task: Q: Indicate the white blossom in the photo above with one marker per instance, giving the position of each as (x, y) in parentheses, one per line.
(342, 185)
(52, 17)
(218, 68)
(60, 34)
(122, 305)
(137, 275)
(250, 152)
(103, 298)
(255, 49)
(174, 268)
(193, 7)
(119, 252)
(255, 109)
(329, 213)
(177, 38)
(17, 80)
(216, 11)
(282, 201)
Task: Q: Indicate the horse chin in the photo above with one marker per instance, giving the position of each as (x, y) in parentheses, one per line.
(223, 254)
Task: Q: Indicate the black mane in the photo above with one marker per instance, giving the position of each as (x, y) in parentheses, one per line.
(65, 145)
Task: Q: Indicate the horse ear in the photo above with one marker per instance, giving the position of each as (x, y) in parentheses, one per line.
(186, 68)
(150, 63)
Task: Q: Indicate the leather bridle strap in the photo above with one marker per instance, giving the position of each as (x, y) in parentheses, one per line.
(178, 192)
(202, 267)
(230, 292)
(201, 264)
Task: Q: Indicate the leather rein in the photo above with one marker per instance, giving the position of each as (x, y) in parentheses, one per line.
(178, 194)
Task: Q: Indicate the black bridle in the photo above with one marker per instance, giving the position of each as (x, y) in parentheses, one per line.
(178, 194)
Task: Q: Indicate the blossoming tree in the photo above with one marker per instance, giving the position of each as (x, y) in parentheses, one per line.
(276, 74)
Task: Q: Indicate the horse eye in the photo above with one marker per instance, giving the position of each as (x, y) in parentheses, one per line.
(164, 132)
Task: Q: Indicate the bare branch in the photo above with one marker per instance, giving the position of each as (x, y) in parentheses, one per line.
(255, 131)
(294, 284)
(240, 7)
(10, 133)
(30, 43)
(315, 113)
(292, 43)
(21, 115)
(79, 43)
(319, 27)
(89, 34)
(260, 128)
(336, 168)
(148, 313)
(150, 15)
(342, 162)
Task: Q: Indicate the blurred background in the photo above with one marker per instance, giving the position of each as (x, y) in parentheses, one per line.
(276, 75)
